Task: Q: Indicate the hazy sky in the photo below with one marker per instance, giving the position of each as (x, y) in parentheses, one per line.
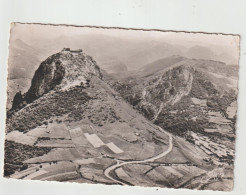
(30, 32)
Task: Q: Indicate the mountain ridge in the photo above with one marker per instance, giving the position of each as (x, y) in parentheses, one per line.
(186, 98)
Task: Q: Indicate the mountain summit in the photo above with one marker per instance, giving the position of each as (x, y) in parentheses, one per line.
(62, 70)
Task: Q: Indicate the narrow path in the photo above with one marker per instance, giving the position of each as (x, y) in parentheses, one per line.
(118, 164)
(158, 113)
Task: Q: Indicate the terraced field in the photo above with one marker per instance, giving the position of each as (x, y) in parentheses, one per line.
(78, 154)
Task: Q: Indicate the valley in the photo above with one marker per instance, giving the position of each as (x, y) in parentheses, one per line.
(121, 111)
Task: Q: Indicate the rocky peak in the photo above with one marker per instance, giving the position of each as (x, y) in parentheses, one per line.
(167, 88)
(62, 70)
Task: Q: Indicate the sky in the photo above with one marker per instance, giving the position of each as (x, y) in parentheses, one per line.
(39, 35)
(27, 32)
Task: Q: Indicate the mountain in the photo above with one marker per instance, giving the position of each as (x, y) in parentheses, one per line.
(219, 72)
(200, 52)
(227, 58)
(14, 86)
(150, 52)
(104, 49)
(93, 45)
(112, 54)
(121, 51)
(112, 65)
(160, 64)
(72, 126)
(24, 59)
(167, 124)
(216, 53)
(195, 99)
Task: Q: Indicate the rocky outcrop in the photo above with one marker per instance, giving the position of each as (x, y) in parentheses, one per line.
(63, 70)
(156, 92)
(167, 89)
(49, 74)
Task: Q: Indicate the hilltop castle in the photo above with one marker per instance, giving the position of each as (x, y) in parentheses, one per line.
(73, 51)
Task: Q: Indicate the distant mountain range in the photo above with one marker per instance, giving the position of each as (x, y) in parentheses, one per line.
(24, 59)
(123, 53)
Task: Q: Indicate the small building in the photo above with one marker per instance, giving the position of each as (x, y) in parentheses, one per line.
(73, 51)
(76, 51)
(66, 49)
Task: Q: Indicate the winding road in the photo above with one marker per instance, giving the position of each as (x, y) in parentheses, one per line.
(113, 167)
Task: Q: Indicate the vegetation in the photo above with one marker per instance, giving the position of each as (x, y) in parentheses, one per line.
(16, 153)
(55, 104)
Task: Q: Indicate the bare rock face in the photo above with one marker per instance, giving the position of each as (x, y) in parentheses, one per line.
(49, 74)
(168, 88)
(62, 71)
(17, 101)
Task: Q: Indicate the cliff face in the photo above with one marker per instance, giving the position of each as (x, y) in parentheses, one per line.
(62, 71)
(153, 93)
(49, 74)
(167, 89)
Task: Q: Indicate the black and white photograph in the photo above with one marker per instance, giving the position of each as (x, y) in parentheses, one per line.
(118, 106)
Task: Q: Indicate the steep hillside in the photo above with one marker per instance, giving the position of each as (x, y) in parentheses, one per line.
(190, 98)
(66, 69)
(14, 86)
